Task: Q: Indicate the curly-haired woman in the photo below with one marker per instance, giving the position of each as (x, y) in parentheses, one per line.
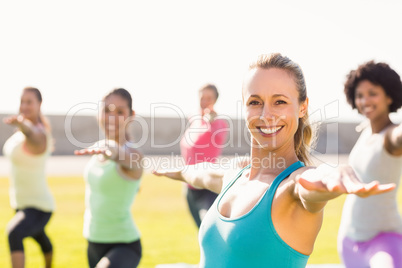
(371, 228)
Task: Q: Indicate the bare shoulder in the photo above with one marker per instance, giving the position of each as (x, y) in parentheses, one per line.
(289, 184)
(39, 132)
(133, 174)
(392, 140)
(36, 139)
(232, 170)
(135, 154)
(294, 175)
(134, 168)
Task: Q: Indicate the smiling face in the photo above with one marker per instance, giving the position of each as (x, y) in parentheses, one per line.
(30, 106)
(207, 98)
(372, 101)
(272, 107)
(114, 116)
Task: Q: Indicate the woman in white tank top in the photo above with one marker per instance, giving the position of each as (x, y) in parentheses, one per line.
(370, 234)
(28, 149)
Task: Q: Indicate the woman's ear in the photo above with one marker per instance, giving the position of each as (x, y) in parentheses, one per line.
(303, 108)
(132, 113)
(389, 100)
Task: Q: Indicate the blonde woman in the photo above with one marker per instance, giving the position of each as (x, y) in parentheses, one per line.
(269, 213)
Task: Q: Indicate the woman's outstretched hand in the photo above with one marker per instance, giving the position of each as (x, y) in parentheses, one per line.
(204, 175)
(16, 120)
(12, 120)
(90, 151)
(107, 148)
(108, 153)
(174, 174)
(341, 180)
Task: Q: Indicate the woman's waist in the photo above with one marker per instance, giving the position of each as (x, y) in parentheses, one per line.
(36, 191)
(110, 220)
(102, 211)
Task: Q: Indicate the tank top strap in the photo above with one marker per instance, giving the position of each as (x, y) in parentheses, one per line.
(235, 178)
(283, 175)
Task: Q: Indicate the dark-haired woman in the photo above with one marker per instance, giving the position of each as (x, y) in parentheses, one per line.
(28, 150)
(370, 234)
(203, 142)
(112, 180)
(269, 213)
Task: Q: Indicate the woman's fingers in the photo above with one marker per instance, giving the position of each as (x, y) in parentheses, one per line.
(162, 172)
(80, 152)
(11, 120)
(375, 188)
(344, 180)
(351, 182)
(90, 151)
(383, 188)
(159, 172)
(170, 173)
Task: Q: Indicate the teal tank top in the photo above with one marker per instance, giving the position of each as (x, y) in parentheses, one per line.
(250, 240)
(108, 199)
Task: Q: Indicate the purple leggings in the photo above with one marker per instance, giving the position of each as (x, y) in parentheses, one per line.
(359, 254)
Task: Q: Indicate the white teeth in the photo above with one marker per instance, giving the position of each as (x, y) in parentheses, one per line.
(270, 130)
(368, 109)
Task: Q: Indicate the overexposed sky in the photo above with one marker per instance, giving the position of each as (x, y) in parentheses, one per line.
(163, 51)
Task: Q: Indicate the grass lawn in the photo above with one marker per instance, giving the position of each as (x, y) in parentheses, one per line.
(168, 232)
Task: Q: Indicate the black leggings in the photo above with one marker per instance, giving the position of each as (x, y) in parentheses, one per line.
(29, 222)
(120, 255)
(199, 200)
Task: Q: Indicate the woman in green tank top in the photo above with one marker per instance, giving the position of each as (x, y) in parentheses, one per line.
(275, 103)
(112, 179)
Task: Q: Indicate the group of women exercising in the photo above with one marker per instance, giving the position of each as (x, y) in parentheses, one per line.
(262, 215)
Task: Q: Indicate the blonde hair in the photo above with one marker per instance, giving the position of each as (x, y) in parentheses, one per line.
(305, 135)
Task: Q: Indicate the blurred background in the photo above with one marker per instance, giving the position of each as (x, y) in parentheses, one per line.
(163, 52)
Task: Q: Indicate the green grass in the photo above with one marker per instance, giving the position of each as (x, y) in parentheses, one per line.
(168, 232)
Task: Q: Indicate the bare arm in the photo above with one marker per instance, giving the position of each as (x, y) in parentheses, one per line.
(202, 175)
(316, 186)
(205, 175)
(393, 140)
(35, 135)
(130, 159)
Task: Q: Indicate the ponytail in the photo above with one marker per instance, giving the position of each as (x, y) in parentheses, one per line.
(304, 140)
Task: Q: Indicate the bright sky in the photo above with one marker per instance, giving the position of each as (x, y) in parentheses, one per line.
(163, 51)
